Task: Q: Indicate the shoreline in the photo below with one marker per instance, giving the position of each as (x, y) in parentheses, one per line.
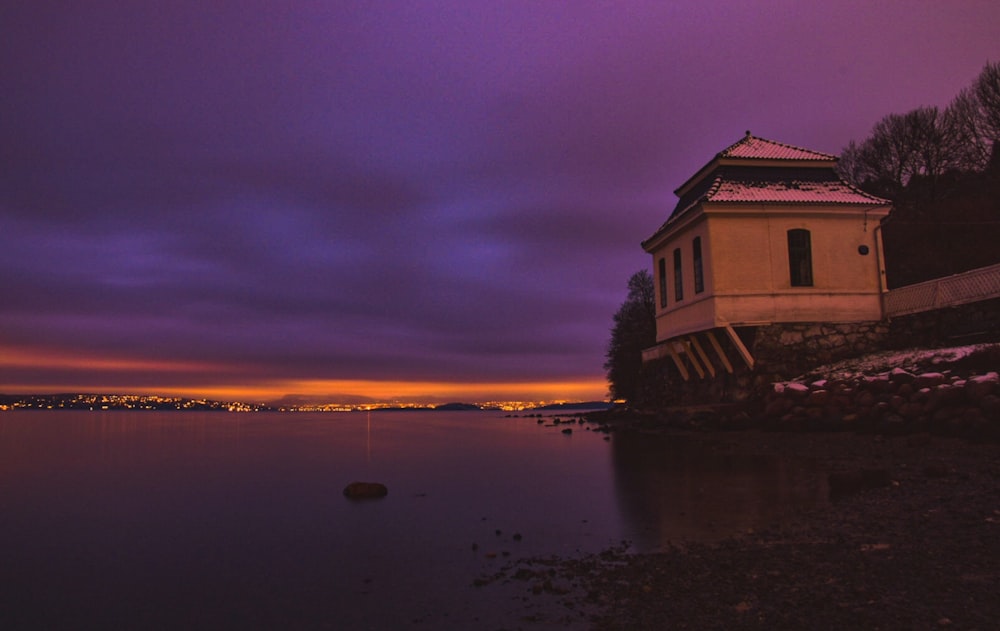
(913, 542)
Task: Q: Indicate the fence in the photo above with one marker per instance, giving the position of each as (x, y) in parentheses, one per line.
(973, 286)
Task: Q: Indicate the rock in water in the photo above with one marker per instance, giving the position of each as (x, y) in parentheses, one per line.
(365, 490)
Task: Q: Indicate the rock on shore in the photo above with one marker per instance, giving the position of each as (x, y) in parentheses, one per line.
(949, 392)
(365, 490)
(893, 402)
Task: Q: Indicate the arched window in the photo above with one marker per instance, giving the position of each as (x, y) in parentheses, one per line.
(800, 258)
(699, 276)
(663, 283)
(678, 277)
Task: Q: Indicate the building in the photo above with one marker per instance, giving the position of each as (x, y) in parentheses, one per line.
(765, 239)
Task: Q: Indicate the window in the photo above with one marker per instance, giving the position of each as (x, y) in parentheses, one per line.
(800, 258)
(678, 278)
(699, 277)
(663, 283)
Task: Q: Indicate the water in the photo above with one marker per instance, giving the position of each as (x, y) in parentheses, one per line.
(168, 520)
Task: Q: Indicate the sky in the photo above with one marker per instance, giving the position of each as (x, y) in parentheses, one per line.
(350, 201)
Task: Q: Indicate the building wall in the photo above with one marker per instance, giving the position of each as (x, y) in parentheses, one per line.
(741, 240)
(798, 306)
(694, 311)
(746, 269)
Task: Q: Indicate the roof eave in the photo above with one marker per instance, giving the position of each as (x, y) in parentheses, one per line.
(719, 161)
(676, 222)
(709, 205)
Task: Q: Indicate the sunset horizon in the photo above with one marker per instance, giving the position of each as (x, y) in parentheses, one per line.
(105, 374)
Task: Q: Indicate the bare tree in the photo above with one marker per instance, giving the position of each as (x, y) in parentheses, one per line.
(987, 87)
(923, 143)
(976, 113)
(851, 166)
(975, 148)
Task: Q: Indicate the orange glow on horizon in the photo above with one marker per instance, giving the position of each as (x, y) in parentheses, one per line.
(218, 383)
(401, 391)
(355, 390)
(11, 357)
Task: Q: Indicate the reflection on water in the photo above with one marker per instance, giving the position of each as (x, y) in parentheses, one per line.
(675, 488)
(168, 520)
(171, 520)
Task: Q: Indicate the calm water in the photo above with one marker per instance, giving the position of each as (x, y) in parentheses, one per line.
(237, 521)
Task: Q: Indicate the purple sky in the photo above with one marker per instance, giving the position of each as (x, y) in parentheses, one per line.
(333, 198)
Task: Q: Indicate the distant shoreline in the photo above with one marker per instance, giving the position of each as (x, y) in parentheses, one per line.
(130, 402)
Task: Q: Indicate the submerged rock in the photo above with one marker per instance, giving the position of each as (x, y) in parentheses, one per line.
(365, 490)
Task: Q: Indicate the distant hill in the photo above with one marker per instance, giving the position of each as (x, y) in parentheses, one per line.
(457, 406)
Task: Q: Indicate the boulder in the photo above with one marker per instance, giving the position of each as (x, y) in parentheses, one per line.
(929, 380)
(365, 490)
(865, 399)
(899, 376)
(945, 395)
(797, 390)
(818, 398)
(981, 386)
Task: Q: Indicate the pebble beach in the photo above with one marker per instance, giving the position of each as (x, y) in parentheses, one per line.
(917, 549)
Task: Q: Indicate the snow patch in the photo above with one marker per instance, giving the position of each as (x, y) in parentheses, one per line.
(882, 363)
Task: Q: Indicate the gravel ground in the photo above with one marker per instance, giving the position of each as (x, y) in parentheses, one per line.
(913, 543)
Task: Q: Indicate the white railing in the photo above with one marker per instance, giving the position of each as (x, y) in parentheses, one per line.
(973, 286)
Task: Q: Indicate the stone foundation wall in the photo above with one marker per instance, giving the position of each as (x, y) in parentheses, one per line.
(781, 352)
(662, 386)
(784, 351)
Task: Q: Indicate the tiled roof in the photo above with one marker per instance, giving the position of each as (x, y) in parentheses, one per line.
(797, 191)
(785, 175)
(808, 186)
(752, 147)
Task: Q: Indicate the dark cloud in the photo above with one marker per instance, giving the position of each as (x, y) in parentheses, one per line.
(424, 192)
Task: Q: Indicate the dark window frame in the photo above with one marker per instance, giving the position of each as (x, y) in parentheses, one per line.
(699, 273)
(800, 270)
(678, 276)
(663, 282)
